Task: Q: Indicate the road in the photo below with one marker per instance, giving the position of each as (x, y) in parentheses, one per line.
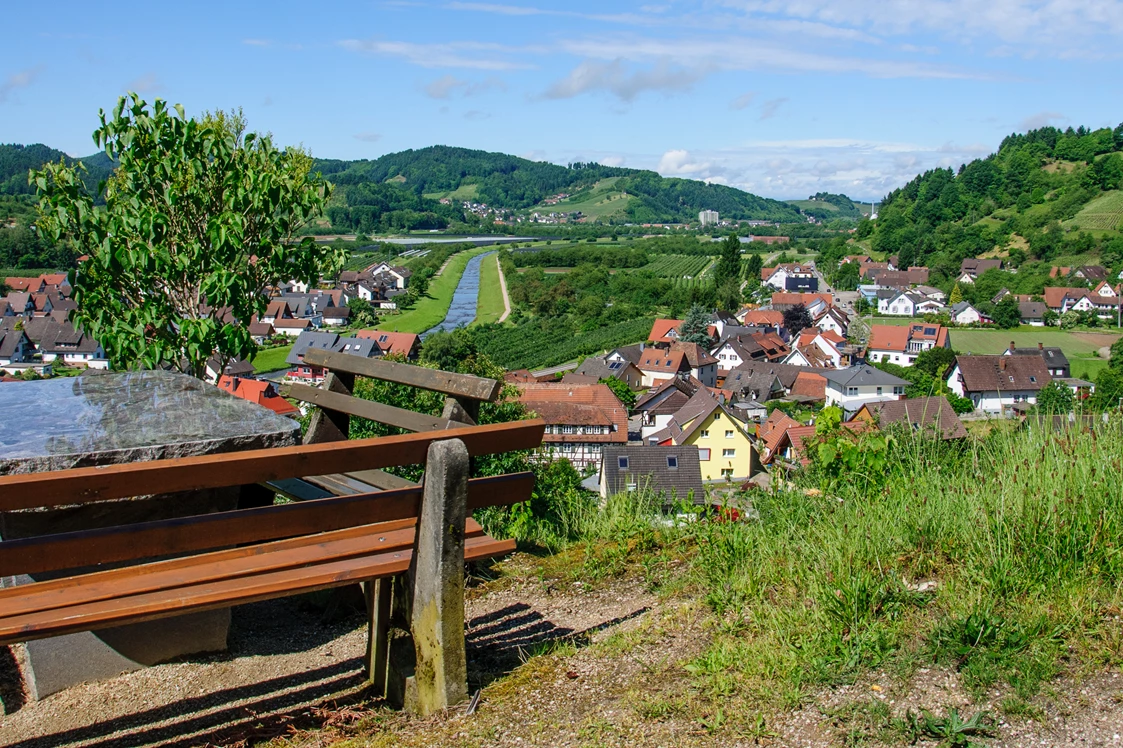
(845, 300)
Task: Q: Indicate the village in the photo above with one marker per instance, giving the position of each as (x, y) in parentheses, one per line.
(714, 403)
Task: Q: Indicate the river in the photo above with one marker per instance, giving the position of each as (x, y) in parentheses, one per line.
(462, 310)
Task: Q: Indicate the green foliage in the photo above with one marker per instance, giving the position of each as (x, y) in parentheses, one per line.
(1116, 359)
(840, 454)
(609, 257)
(1055, 398)
(954, 732)
(188, 207)
(956, 295)
(924, 384)
(729, 261)
(1006, 313)
(448, 349)
(362, 313)
(753, 266)
(536, 343)
(797, 318)
(622, 391)
(694, 327)
(936, 362)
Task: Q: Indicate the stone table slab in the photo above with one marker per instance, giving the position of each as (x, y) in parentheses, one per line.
(113, 418)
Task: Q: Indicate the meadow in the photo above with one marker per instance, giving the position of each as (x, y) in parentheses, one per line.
(490, 306)
(271, 359)
(995, 559)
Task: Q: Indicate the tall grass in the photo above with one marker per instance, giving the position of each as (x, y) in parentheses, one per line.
(1000, 558)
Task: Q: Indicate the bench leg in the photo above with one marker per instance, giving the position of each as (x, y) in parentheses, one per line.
(437, 613)
(379, 595)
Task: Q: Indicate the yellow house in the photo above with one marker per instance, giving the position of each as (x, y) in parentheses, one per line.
(725, 449)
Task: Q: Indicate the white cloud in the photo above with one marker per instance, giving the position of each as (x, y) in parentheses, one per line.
(612, 161)
(679, 163)
(1050, 27)
(1041, 119)
(445, 86)
(743, 100)
(368, 137)
(615, 78)
(470, 55)
(22, 79)
(147, 83)
(257, 42)
(768, 111)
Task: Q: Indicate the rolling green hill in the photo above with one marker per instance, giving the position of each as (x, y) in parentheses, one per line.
(510, 182)
(1045, 196)
(17, 160)
(825, 206)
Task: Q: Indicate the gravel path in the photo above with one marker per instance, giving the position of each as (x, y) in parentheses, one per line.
(506, 298)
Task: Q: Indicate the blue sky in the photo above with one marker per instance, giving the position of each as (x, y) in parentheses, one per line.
(780, 98)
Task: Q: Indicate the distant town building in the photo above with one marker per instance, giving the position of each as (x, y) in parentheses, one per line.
(708, 218)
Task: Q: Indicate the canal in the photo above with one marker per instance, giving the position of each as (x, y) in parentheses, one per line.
(462, 310)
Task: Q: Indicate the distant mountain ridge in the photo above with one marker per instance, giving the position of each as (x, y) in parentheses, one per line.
(504, 181)
(402, 191)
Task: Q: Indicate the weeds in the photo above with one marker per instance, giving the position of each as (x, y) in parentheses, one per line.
(954, 732)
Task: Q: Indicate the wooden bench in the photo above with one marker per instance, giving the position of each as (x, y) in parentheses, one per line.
(419, 533)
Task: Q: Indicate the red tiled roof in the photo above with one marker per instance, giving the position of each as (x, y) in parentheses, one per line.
(889, 338)
(809, 384)
(259, 392)
(763, 318)
(695, 354)
(661, 327)
(663, 362)
(391, 342)
(782, 297)
(577, 405)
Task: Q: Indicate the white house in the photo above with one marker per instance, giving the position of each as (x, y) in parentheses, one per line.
(834, 320)
(994, 384)
(965, 314)
(901, 345)
(853, 387)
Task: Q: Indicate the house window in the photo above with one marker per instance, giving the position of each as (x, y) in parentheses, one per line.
(879, 390)
(704, 454)
(851, 391)
(717, 416)
(569, 429)
(622, 462)
(728, 434)
(727, 472)
(729, 453)
(898, 390)
(672, 462)
(705, 433)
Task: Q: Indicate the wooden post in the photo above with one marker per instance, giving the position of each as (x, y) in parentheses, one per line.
(331, 425)
(379, 594)
(437, 613)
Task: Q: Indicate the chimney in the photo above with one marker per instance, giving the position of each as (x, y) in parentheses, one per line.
(1011, 345)
(1002, 363)
(1040, 346)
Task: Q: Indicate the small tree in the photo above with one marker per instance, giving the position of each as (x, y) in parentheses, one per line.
(1115, 361)
(956, 295)
(729, 262)
(695, 325)
(1007, 315)
(935, 360)
(362, 313)
(752, 270)
(796, 319)
(622, 391)
(1055, 398)
(199, 221)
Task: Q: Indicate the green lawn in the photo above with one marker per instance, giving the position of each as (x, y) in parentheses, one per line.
(271, 359)
(429, 311)
(1078, 344)
(490, 306)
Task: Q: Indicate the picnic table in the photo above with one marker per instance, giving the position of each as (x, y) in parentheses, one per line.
(122, 418)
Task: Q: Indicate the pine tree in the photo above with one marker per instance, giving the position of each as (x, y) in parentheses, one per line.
(729, 263)
(956, 295)
(693, 327)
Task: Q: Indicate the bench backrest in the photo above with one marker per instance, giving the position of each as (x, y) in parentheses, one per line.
(323, 454)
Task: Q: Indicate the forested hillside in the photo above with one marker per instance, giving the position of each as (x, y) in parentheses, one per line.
(1046, 195)
(504, 181)
(17, 160)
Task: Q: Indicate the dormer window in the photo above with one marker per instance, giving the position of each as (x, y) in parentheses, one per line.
(622, 463)
(672, 462)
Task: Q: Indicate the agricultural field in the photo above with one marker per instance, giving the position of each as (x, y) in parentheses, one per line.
(463, 192)
(601, 201)
(677, 267)
(1079, 347)
(1105, 213)
(532, 345)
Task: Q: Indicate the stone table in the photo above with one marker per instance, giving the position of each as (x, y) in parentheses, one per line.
(111, 418)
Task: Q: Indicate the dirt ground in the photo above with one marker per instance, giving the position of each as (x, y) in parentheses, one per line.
(558, 665)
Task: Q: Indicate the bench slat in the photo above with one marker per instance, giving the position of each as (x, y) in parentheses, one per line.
(368, 409)
(212, 595)
(448, 383)
(310, 550)
(208, 531)
(82, 485)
